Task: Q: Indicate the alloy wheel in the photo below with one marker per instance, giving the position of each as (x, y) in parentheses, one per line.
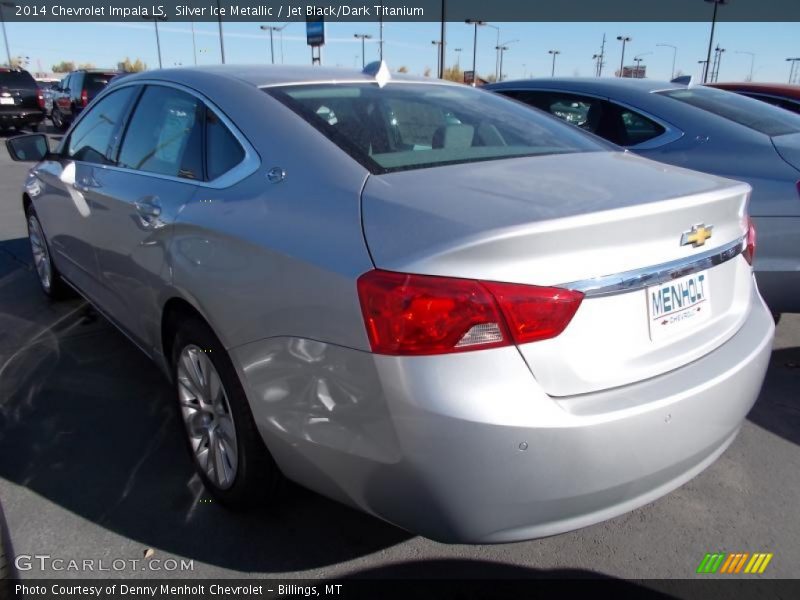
(207, 416)
(41, 255)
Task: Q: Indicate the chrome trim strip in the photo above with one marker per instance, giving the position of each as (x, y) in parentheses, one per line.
(638, 279)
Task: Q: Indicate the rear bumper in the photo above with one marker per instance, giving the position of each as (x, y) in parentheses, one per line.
(467, 448)
(21, 117)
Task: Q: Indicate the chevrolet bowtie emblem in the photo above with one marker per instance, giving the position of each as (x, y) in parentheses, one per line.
(697, 235)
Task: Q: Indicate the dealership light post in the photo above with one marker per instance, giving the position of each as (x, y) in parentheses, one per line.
(474, 22)
(271, 29)
(638, 60)
(624, 39)
(752, 60)
(553, 69)
(363, 37)
(716, 64)
(3, 22)
(458, 57)
(438, 45)
(502, 49)
(792, 68)
(155, 20)
(711, 36)
(221, 37)
(497, 58)
(674, 56)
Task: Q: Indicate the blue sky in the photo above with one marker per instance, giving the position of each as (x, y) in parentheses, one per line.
(409, 44)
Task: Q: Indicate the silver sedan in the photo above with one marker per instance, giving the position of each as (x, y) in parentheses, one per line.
(421, 299)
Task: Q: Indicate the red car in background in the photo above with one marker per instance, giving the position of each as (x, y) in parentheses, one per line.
(779, 94)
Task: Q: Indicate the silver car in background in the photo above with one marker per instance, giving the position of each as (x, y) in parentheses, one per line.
(700, 128)
(418, 298)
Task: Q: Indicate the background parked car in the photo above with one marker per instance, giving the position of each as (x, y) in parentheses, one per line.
(778, 94)
(47, 86)
(708, 130)
(75, 91)
(21, 100)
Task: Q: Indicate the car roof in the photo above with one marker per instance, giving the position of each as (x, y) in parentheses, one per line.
(271, 75)
(595, 84)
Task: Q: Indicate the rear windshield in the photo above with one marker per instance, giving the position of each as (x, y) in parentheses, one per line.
(16, 79)
(97, 81)
(756, 115)
(412, 126)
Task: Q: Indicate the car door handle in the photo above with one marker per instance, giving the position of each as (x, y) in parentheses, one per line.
(149, 211)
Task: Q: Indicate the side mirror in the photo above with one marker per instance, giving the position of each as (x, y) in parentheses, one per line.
(28, 148)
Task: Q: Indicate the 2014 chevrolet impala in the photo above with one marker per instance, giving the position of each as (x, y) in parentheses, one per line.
(427, 301)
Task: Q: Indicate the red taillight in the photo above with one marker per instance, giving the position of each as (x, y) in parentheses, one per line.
(420, 314)
(84, 97)
(750, 243)
(40, 97)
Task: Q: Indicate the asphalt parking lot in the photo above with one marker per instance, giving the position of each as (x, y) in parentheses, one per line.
(92, 467)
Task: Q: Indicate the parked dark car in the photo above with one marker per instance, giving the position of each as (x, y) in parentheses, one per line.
(778, 94)
(21, 100)
(75, 92)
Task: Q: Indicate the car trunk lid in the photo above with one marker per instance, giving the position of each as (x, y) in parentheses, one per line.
(566, 221)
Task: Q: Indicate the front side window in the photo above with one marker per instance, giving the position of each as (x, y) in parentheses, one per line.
(409, 126)
(165, 134)
(90, 139)
(753, 114)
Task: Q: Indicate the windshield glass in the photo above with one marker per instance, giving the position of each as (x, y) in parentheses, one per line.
(16, 79)
(411, 126)
(759, 116)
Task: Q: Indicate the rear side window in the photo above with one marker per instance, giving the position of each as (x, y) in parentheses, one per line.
(90, 139)
(94, 82)
(755, 115)
(611, 121)
(638, 128)
(164, 135)
(16, 79)
(223, 151)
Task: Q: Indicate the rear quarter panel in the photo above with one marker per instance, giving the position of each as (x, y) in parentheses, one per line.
(263, 259)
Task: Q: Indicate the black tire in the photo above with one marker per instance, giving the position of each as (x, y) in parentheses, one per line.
(34, 127)
(257, 478)
(58, 120)
(57, 290)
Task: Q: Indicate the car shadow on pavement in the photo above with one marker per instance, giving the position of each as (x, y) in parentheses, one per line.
(778, 407)
(87, 421)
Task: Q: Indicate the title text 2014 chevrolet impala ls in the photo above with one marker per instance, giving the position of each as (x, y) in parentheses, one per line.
(427, 301)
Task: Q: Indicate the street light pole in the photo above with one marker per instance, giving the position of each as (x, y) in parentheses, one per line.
(363, 37)
(624, 39)
(711, 36)
(497, 54)
(438, 45)
(271, 28)
(793, 62)
(638, 60)
(501, 49)
(158, 38)
(717, 61)
(5, 35)
(674, 56)
(221, 38)
(553, 69)
(474, 22)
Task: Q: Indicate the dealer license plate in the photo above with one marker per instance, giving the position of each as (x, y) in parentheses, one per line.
(679, 306)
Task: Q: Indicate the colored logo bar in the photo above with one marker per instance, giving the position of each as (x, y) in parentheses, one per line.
(735, 562)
